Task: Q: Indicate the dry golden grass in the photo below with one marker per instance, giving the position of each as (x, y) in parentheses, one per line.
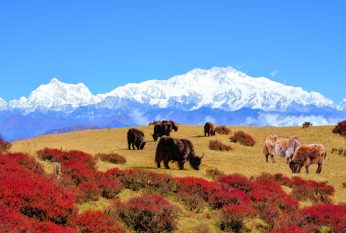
(242, 159)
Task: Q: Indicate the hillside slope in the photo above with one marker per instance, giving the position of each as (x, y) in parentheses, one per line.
(245, 160)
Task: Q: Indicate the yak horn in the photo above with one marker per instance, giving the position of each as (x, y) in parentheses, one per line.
(202, 156)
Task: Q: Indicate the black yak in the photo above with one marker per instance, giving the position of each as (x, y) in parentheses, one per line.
(176, 150)
(161, 130)
(173, 124)
(209, 129)
(135, 137)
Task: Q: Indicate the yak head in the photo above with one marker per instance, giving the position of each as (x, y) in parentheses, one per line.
(295, 166)
(140, 144)
(174, 126)
(195, 161)
(213, 132)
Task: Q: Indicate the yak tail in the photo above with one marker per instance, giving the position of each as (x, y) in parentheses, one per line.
(325, 154)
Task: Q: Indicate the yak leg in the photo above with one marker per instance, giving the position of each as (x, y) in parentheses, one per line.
(158, 164)
(307, 169)
(181, 165)
(319, 168)
(272, 156)
(267, 155)
(287, 160)
(165, 162)
(129, 145)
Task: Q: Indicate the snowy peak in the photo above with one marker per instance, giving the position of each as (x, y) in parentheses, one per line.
(56, 94)
(219, 87)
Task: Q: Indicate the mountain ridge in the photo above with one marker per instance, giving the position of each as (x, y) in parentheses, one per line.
(220, 94)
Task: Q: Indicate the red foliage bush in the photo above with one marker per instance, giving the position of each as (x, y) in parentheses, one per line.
(218, 145)
(111, 158)
(87, 191)
(236, 181)
(76, 166)
(49, 227)
(136, 179)
(311, 190)
(222, 129)
(97, 222)
(244, 138)
(194, 191)
(34, 195)
(214, 173)
(197, 186)
(109, 185)
(12, 221)
(289, 229)
(333, 216)
(149, 213)
(340, 128)
(23, 160)
(233, 216)
(4, 145)
(229, 196)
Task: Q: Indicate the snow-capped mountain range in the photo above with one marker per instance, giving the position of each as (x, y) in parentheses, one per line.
(220, 89)
(217, 88)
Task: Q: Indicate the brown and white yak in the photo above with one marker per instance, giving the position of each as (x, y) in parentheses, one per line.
(280, 146)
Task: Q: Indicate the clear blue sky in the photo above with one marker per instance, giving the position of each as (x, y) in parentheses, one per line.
(109, 43)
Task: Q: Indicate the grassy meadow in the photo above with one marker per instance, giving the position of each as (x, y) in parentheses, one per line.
(245, 160)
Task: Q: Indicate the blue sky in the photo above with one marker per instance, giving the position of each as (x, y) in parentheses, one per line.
(105, 44)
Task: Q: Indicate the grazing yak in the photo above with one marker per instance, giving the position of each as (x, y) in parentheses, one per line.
(307, 124)
(161, 130)
(164, 128)
(308, 154)
(176, 150)
(135, 137)
(209, 129)
(280, 146)
(173, 124)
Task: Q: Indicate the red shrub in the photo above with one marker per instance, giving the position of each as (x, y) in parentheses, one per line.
(22, 160)
(12, 221)
(87, 191)
(278, 177)
(34, 195)
(289, 229)
(197, 186)
(236, 181)
(109, 185)
(312, 190)
(111, 158)
(340, 128)
(218, 145)
(97, 222)
(194, 191)
(243, 138)
(333, 216)
(230, 196)
(149, 213)
(222, 129)
(4, 146)
(232, 217)
(76, 166)
(267, 192)
(49, 227)
(136, 179)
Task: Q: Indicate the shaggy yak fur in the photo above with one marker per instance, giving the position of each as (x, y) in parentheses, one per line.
(135, 137)
(209, 129)
(176, 150)
(280, 146)
(308, 154)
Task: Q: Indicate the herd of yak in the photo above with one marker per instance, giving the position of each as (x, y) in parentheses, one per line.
(177, 150)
